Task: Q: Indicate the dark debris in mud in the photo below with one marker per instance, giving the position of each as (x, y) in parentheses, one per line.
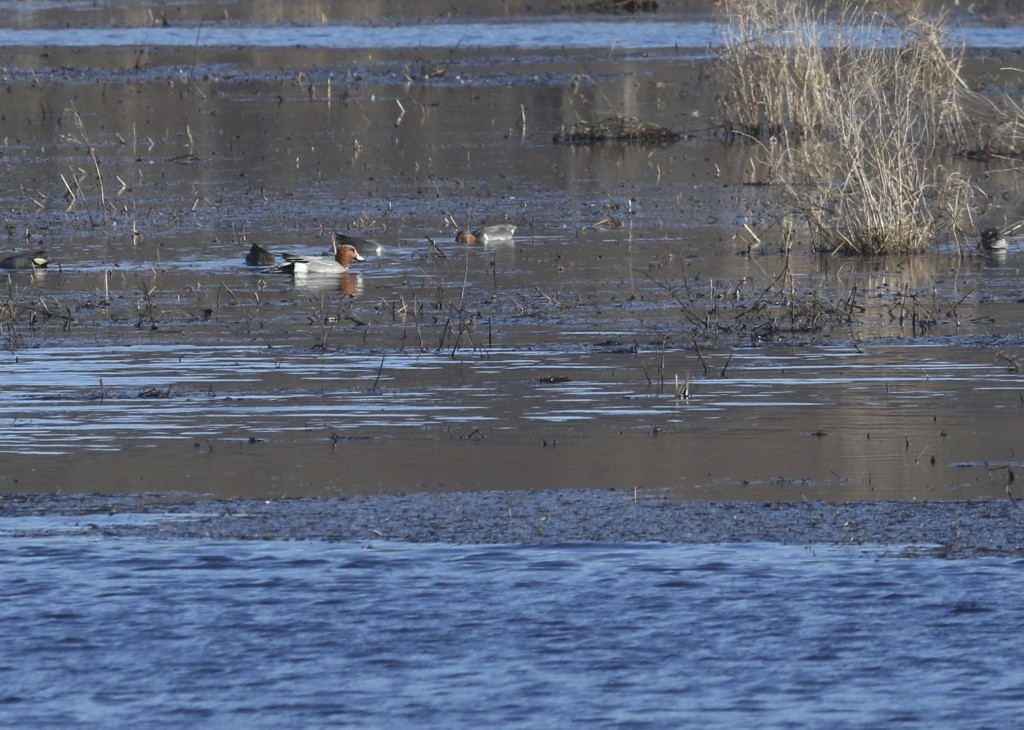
(617, 128)
(343, 78)
(953, 529)
(611, 6)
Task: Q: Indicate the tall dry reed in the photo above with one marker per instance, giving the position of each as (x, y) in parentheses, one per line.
(851, 109)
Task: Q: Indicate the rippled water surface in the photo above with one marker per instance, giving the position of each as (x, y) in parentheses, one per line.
(553, 33)
(649, 330)
(312, 634)
(646, 328)
(546, 34)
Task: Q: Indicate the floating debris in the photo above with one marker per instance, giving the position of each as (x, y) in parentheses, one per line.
(618, 128)
(155, 393)
(611, 6)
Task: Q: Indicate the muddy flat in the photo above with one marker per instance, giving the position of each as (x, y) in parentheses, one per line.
(646, 327)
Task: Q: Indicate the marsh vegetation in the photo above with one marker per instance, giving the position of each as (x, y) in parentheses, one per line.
(856, 113)
(656, 294)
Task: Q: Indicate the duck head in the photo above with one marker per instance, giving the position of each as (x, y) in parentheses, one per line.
(347, 253)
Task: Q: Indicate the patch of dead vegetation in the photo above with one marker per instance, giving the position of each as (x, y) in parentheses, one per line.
(617, 128)
(850, 109)
(612, 6)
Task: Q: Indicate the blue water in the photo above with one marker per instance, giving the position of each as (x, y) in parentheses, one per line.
(143, 633)
(542, 33)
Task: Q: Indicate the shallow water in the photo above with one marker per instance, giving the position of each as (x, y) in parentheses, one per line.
(540, 33)
(150, 360)
(811, 423)
(551, 33)
(149, 357)
(318, 634)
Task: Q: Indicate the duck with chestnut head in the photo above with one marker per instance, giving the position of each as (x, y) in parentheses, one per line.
(337, 264)
(497, 233)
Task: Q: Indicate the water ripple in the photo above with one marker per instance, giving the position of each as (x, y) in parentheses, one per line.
(314, 634)
(539, 34)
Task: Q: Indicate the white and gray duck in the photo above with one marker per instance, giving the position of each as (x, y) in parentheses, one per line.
(997, 239)
(28, 260)
(336, 263)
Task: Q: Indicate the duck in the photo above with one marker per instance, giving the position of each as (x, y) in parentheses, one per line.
(994, 239)
(33, 260)
(336, 264)
(496, 233)
(360, 244)
(259, 256)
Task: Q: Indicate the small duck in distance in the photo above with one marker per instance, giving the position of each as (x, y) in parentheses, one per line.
(496, 233)
(336, 264)
(32, 260)
(259, 256)
(995, 239)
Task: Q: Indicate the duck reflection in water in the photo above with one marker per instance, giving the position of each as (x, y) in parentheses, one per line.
(346, 283)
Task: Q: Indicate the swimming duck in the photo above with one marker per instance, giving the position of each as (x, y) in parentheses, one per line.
(259, 256)
(34, 260)
(994, 239)
(360, 244)
(496, 233)
(336, 264)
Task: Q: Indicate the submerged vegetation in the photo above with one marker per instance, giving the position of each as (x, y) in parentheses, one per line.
(611, 6)
(852, 111)
(617, 128)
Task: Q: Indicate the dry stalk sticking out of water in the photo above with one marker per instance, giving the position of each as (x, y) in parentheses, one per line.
(31, 314)
(80, 125)
(459, 321)
(1011, 363)
(325, 320)
(146, 304)
(683, 391)
(251, 317)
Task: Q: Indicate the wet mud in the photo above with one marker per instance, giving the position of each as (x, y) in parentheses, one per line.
(938, 529)
(149, 358)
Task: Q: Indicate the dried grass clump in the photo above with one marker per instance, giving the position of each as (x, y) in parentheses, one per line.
(769, 74)
(773, 308)
(855, 107)
(617, 128)
(884, 199)
(611, 6)
(614, 6)
(783, 64)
